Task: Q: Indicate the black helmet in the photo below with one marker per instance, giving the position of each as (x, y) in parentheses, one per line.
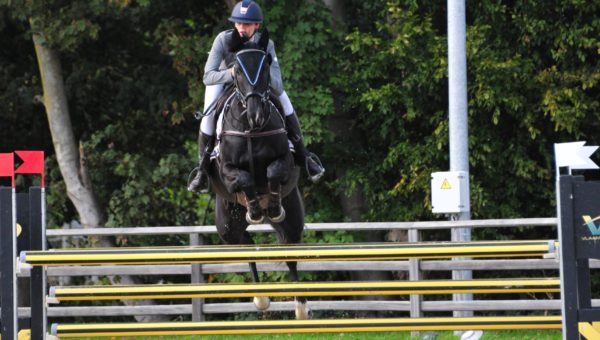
(246, 11)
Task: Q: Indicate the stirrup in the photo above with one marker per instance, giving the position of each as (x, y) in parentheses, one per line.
(316, 177)
(196, 172)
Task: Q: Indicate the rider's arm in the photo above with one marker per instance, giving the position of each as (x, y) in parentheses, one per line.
(276, 81)
(215, 70)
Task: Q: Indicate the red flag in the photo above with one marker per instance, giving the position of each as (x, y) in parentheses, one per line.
(33, 163)
(7, 166)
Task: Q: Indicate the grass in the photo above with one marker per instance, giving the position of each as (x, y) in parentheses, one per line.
(488, 335)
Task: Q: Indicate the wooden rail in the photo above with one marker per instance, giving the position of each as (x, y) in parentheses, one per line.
(354, 226)
(428, 306)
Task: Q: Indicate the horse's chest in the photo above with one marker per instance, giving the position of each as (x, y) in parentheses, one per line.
(241, 151)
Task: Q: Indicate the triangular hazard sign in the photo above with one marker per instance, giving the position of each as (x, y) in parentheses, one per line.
(446, 184)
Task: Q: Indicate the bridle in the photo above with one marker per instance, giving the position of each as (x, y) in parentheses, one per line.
(264, 96)
(243, 97)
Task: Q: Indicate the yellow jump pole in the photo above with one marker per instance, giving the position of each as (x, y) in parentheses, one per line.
(305, 326)
(489, 286)
(281, 253)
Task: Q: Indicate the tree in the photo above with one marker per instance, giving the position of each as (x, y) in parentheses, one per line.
(75, 31)
(71, 161)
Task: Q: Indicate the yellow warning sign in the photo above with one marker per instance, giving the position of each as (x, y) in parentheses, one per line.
(446, 184)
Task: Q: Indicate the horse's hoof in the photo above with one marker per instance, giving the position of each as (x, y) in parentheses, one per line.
(250, 220)
(279, 218)
(262, 302)
(303, 312)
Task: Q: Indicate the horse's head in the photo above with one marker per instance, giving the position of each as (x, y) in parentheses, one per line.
(251, 77)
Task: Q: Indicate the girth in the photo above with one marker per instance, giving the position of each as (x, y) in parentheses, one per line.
(257, 134)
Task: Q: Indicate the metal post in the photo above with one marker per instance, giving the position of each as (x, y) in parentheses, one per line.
(37, 228)
(568, 270)
(197, 277)
(458, 120)
(8, 255)
(414, 274)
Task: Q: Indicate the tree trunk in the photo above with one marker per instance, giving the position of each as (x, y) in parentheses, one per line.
(230, 3)
(337, 11)
(71, 164)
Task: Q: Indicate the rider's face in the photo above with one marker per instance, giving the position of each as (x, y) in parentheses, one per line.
(246, 29)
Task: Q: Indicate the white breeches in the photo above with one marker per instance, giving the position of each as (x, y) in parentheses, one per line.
(212, 93)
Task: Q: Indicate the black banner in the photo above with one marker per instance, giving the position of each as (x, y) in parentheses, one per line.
(586, 219)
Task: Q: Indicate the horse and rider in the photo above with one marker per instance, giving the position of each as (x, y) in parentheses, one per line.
(218, 74)
(254, 173)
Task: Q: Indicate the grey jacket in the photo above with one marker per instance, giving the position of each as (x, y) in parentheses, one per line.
(217, 72)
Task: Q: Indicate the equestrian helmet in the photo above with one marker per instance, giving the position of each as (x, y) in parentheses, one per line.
(246, 11)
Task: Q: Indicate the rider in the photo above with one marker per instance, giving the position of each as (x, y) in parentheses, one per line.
(247, 17)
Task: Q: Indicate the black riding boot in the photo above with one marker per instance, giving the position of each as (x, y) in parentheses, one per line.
(206, 145)
(314, 168)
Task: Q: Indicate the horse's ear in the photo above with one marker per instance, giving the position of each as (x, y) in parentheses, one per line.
(235, 41)
(263, 43)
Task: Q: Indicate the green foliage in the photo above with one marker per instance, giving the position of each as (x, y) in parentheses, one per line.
(532, 81)
(305, 45)
(391, 78)
(127, 102)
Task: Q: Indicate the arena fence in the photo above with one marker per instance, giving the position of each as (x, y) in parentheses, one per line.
(509, 255)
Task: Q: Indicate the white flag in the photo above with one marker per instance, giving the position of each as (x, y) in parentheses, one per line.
(574, 155)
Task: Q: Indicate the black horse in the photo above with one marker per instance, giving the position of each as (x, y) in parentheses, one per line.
(254, 174)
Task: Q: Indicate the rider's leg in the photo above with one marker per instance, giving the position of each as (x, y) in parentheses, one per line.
(206, 137)
(314, 169)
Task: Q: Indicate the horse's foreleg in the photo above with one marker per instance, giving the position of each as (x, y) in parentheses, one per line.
(277, 173)
(246, 184)
(241, 181)
(275, 210)
(254, 215)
